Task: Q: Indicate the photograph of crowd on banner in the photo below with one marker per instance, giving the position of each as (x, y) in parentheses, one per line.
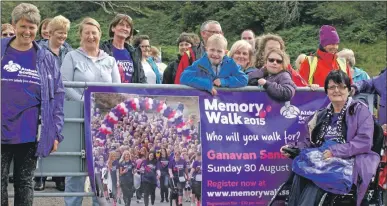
(141, 143)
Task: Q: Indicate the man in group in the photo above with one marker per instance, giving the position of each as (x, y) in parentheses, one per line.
(249, 36)
(207, 29)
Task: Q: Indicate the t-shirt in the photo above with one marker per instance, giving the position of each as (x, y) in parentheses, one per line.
(124, 63)
(128, 176)
(150, 168)
(178, 167)
(164, 164)
(198, 167)
(98, 166)
(149, 73)
(20, 96)
(332, 131)
(115, 165)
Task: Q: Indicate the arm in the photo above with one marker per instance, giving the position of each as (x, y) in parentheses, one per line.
(67, 70)
(254, 76)
(186, 172)
(191, 172)
(362, 141)
(283, 91)
(365, 86)
(170, 172)
(59, 94)
(237, 79)
(115, 73)
(190, 77)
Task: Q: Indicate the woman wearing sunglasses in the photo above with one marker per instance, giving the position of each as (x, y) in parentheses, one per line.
(274, 76)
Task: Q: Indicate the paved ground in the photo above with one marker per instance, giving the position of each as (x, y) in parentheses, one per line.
(54, 201)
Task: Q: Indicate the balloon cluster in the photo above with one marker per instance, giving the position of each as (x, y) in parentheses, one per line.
(174, 116)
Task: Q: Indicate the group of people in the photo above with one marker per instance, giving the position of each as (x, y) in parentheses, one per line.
(33, 93)
(143, 152)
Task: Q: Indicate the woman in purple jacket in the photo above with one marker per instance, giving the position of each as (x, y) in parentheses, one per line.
(32, 98)
(347, 122)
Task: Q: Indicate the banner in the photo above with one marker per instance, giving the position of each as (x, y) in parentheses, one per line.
(239, 135)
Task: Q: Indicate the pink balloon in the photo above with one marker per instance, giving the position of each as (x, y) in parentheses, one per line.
(262, 114)
(268, 108)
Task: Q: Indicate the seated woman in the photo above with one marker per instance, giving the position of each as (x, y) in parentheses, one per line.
(347, 122)
(242, 53)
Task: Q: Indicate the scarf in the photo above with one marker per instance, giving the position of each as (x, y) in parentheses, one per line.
(327, 120)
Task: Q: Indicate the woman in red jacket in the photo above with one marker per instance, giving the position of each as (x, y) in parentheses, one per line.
(326, 58)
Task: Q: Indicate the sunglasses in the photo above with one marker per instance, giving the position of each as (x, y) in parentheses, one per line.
(7, 34)
(271, 60)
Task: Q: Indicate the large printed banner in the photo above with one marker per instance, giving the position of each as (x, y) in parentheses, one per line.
(238, 133)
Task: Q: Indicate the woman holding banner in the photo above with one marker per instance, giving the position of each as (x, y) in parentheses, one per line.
(179, 172)
(338, 147)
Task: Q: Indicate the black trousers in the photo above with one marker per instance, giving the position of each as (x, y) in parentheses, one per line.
(304, 192)
(149, 190)
(127, 190)
(24, 165)
(163, 187)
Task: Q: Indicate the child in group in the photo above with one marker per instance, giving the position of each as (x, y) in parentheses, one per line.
(274, 77)
(214, 68)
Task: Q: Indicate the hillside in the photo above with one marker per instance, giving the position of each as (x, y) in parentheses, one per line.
(361, 25)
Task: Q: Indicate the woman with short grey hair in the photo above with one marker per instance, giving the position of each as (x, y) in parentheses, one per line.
(32, 98)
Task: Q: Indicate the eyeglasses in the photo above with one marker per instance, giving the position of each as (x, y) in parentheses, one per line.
(213, 32)
(7, 34)
(271, 60)
(334, 87)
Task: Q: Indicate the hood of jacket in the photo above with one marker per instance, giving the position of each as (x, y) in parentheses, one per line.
(101, 55)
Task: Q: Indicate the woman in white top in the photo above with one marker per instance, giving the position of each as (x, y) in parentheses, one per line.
(142, 45)
(86, 64)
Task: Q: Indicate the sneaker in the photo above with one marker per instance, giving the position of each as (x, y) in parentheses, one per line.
(139, 201)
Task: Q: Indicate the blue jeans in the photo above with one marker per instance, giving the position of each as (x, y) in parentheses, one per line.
(76, 184)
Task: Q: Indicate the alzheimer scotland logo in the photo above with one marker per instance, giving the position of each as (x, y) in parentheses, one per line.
(289, 111)
(12, 67)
